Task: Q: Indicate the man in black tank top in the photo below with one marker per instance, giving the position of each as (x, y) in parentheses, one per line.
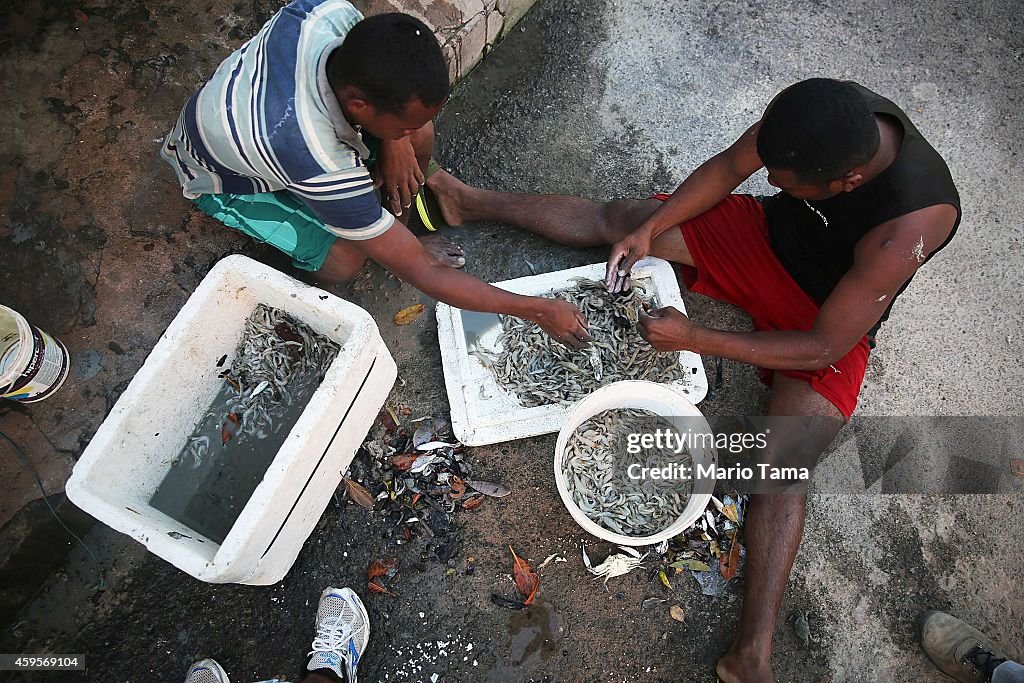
(865, 201)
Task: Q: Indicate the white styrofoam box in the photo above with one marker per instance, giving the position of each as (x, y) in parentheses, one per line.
(673, 407)
(483, 413)
(131, 452)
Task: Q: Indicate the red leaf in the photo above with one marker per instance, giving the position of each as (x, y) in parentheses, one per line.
(527, 580)
(377, 588)
(473, 503)
(458, 488)
(407, 533)
(730, 562)
(404, 461)
(386, 567)
(386, 417)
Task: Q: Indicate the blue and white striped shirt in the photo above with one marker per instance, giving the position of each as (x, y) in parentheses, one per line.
(267, 120)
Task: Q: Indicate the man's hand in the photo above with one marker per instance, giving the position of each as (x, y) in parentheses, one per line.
(666, 329)
(623, 257)
(563, 322)
(398, 174)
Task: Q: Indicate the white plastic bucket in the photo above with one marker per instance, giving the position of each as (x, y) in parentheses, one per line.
(33, 364)
(663, 401)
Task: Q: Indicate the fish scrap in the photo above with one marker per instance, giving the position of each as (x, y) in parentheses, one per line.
(615, 565)
(420, 479)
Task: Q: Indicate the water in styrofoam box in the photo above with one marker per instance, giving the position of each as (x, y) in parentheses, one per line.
(132, 451)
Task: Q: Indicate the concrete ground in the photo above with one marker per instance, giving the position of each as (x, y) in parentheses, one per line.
(603, 99)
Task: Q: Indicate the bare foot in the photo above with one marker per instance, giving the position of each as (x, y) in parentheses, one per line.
(449, 192)
(441, 251)
(736, 668)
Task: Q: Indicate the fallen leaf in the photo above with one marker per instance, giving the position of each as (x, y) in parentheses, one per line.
(731, 512)
(677, 613)
(526, 579)
(664, 579)
(730, 562)
(407, 533)
(472, 503)
(692, 565)
(387, 419)
(81, 16)
(1017, 468)
(377, 588)
(408, 315)
(458, 488)
(386, 567)
(489, 488)
(358, 494)
(403, 461)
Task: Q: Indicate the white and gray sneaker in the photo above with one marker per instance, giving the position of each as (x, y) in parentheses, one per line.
(206, 671)
(342, 633)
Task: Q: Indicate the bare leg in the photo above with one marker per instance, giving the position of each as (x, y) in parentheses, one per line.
(774, 525)
(440, 249)
(572, 221)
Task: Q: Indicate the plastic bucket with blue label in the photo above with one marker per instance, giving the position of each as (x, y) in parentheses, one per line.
(33, 364)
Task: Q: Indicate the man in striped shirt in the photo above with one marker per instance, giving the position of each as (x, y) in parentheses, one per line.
(280, 141)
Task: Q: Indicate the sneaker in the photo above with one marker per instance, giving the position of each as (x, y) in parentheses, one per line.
(958, 649)
(206, 671)
(342, 632)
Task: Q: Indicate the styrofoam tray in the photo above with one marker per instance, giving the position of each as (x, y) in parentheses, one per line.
(483, 413)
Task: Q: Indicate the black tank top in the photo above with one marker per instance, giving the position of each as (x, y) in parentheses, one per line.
(815, 240)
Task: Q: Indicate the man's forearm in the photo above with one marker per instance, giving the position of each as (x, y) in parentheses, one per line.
(464, 291)
(709, 184)
(775, 349)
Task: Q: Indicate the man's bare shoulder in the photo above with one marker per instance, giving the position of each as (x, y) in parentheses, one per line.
(910, 238)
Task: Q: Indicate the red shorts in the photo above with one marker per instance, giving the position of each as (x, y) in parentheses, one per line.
(734, 263)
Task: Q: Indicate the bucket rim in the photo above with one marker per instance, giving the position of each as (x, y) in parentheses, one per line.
(24, 354)
(623, 394)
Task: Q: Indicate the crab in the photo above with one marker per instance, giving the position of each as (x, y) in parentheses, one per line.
(615, 565)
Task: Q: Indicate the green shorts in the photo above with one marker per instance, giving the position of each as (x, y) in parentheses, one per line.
(279, 219)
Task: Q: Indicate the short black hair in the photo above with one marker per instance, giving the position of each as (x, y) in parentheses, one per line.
(393, 58)
(819, 129)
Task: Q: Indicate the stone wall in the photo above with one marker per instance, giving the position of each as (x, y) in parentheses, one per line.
(467, 29)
